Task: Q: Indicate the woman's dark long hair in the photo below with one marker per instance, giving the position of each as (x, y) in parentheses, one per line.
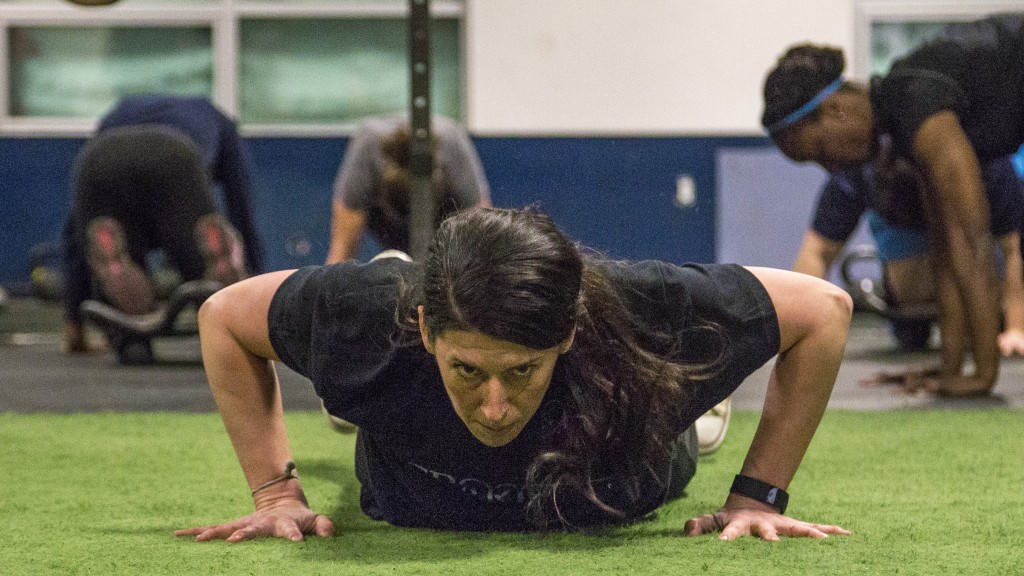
(512, 275)
(802, 72)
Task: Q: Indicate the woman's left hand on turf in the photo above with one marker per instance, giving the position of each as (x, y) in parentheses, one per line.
(288, 518)
(733, 523)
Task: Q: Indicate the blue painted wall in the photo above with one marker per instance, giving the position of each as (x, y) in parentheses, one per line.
(613, 194)
(34, 195)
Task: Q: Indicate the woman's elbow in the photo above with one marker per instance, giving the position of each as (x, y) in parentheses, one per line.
(212, 312)
(837, 307)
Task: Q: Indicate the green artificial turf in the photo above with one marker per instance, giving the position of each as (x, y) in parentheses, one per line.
(929, 493)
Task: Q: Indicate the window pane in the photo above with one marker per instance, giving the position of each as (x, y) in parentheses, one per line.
(79, 72)
(337, 70)
(401, 3)
(892, 40)
(50, 3)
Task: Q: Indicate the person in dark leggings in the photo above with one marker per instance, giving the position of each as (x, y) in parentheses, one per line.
(220, 147)
(138, 189)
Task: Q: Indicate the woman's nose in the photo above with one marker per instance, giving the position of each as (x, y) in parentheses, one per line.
(495, 405)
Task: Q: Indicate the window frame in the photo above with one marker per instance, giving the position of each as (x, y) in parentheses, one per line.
(224, 19)
(869, 12)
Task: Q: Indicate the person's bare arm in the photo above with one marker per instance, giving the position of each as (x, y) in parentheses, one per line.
(1011, 340)
(347, 227)
(816, 255)
(814, 318)
(958, 210)
(238, 356)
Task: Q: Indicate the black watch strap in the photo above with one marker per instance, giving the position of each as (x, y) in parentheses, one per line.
(761, 491)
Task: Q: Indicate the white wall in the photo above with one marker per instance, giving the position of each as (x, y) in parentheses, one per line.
(625, 67)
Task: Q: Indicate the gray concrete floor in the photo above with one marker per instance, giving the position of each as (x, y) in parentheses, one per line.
(35, 376)
(869, 351)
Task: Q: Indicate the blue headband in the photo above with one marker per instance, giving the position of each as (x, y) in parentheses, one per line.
(807, 108)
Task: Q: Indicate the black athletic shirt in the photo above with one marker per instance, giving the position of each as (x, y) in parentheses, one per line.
(974, 69)
(417, 463)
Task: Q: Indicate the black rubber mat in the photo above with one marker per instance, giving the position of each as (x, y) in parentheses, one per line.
(38, 377)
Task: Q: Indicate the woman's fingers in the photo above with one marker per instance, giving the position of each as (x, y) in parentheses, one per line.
(293, 525)
(701, 525)
(767, 526)
(323, 526)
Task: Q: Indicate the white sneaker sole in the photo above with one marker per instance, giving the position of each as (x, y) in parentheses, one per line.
(712, 426)
(392, 253)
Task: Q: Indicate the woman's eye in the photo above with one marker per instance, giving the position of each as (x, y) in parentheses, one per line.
(522, 371)
(466, 371)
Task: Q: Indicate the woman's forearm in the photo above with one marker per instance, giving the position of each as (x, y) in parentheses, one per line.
(238, 360)
(1013, 282)
(958, 216)
(813, 331)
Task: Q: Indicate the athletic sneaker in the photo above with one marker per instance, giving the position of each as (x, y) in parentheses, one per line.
(121, 281)
(222, 249)
(711, 427)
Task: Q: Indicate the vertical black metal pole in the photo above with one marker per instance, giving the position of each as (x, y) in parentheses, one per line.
(422, 211)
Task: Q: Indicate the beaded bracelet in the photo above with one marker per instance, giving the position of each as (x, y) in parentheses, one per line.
(289, 473)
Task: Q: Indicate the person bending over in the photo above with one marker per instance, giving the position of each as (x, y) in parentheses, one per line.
(220, 147)
(949, 105)
(515, 382)
(371, 191)
(145, 187)
(903, 248)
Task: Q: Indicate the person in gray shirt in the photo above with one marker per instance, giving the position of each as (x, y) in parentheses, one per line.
(371, 191)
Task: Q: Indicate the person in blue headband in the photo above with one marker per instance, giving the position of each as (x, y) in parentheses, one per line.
(806, 108)
(948, 106)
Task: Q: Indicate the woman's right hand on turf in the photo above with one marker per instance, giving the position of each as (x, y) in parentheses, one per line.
(291, 519)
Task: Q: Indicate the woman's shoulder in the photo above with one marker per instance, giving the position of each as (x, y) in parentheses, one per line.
(660, 273)
(353, 285)
(655, 287)
(342, 315)
(350, 293)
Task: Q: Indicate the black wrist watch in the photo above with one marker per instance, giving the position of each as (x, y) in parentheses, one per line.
(761, 491)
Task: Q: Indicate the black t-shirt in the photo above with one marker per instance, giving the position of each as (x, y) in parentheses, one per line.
(974, 69)
(841, 203)
(418, 464)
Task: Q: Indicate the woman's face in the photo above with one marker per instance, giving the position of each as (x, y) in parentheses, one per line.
(495, 386)
(842, 137)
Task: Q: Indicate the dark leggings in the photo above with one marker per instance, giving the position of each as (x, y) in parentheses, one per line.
(153, 182)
